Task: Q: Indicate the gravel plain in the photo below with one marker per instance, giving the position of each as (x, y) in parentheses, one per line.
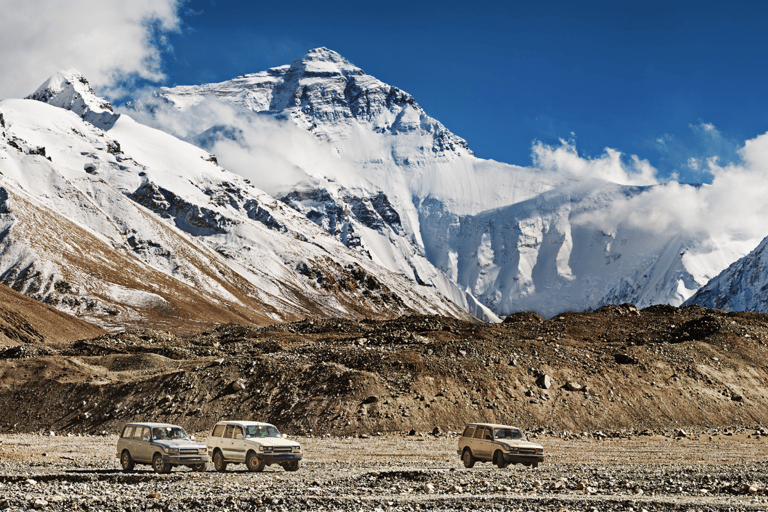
(720, 470)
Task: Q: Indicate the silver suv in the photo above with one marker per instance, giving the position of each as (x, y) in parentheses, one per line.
(253, 443)
(161, 445)
(501, 444)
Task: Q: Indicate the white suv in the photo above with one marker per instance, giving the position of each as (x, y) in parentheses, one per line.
(253, 443)
(161, 445)
(500, 444)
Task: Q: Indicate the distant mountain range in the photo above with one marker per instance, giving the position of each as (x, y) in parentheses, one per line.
(486, 234)
(366, 207)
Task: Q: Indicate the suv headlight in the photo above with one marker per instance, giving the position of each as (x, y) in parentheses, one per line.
(203, 450)
(172, 451)
(295, 449)
(265, 448)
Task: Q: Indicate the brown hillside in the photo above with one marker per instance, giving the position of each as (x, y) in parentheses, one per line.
(25, 320)
(616, 368)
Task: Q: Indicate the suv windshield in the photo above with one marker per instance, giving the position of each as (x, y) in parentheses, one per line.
(509, 433)
(261, 431)
(167, 433)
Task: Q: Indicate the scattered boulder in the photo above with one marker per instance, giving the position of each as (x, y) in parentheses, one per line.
(544, 381)
(573, 386)
(237, 385)
(625, 359)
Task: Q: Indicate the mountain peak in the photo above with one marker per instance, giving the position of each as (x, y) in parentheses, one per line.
(69, 89)
(325, 62)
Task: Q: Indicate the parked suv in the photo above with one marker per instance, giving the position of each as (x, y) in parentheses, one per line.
(253, 443)
(501, 444)
(161, 445)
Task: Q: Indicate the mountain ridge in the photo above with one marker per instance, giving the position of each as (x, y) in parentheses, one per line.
(188, 243)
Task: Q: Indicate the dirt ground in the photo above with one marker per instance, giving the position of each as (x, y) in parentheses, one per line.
(396, 472)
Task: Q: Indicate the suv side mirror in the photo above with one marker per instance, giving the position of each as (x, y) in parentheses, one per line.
(191, 438)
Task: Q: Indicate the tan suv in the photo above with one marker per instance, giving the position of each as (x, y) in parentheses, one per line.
(161, 445)
(253, 443)
(501, 444)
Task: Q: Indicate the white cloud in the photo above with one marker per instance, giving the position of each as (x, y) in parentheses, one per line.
(610, 167)
(276, 155)
(106, 40)
(731, 208)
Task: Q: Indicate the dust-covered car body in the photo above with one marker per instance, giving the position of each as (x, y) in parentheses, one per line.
(160, 444)
(500, 444)
(252, 443)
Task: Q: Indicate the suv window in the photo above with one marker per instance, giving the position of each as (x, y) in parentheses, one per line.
(479, 433)
(128, 431)
(468, 431)
(229, 431)
(238, 432)
(218, 431)
(141, 433)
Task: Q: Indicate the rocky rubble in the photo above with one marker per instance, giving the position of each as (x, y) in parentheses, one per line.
(614, 370)
(392, 473)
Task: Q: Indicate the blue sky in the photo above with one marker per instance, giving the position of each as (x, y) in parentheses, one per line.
(666, 81)
(672, 82)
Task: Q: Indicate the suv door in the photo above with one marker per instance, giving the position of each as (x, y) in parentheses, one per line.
(126, 442)
(238, 444)
(142, 440)
(481, 443)
(227, 441)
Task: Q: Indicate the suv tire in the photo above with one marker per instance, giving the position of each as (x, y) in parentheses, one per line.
(159, 466)
(219, 464)
(467, 458)
(291, 466)
(498, 460)
(127, 462)
(253, 462)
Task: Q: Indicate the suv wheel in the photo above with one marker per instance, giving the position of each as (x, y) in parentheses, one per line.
(126, 461)
(253, 462)
(498, 460)
(467, 458)
(218, 462)
(291, 466)
(159, 465)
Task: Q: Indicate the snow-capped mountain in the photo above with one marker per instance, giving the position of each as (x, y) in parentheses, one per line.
(125, 225)
(412, 196)
(743, 286)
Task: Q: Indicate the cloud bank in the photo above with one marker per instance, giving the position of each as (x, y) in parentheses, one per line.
(276, 155)
(732, 208)
(108, 41)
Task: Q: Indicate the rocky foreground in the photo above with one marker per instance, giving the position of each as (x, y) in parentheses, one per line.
(723, 470)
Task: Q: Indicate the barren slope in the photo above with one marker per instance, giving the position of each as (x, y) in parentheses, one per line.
(662, 367)
(25, 320)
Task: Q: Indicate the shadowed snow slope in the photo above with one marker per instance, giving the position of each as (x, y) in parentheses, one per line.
(743, 286)
(133, 227)
(395, 185)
